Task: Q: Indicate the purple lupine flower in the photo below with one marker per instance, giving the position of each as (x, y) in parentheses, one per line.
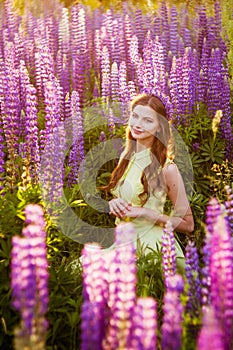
(97, 50)
(173, 310)
(159, 64)
(221, 274)
(105, 72)
(2, 155)
(128, 33)
(29, 279)
(102, 136)
(111, 123)
(80, 53)
(11, 112)
(31, 132)
(114, 82)
(202, 27)
(139, 27)
(176, 88)
(214, 82)
(53, 151)
(123, 91)
(173, 30)
(195, 146)
(225, 125)
(168, 252)
(211, 335)
(229, 208)
(45, 70)
(148, 77)
(212, 212)
(109, 38)
(64, 33)
(143, 334)
(132, 89)
(134, 51)
(77, 152)
(95, 295)
(188, 76)
(164, 34)
(122, 288)
(193, 278)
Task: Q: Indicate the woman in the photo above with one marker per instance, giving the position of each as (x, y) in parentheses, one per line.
(145, 176)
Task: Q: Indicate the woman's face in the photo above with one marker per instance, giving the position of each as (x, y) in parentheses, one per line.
(144, 124)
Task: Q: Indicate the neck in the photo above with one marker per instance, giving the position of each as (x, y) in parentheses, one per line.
(142, 146)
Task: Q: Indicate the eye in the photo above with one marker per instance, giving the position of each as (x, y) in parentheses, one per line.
(149, 120)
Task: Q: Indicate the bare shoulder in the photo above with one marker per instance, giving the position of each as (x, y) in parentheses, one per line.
(170, 169)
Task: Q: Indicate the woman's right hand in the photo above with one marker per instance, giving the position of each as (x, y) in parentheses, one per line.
(118, 207)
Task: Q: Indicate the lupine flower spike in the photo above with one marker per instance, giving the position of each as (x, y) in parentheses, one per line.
(29, 281)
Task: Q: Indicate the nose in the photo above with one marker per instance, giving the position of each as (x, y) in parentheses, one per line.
(137, 124)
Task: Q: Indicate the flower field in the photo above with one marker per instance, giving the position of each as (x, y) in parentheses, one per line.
(67, 75)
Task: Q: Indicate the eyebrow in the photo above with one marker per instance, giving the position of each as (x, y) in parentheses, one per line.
(143, 116)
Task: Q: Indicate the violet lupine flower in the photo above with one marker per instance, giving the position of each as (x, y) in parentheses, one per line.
(94, 312)
(111, 124)
(105, 73)
(97, 50)
(164, 34)
(29, 280)
(173, 313)
(202, 27)
(203, 80)
(45, 70)
(168, 252)
(2, 154)
(229, 208)
(122, 288)
(144, 328)
(195, 146)
(221, 274)
(123, 91)
(64, 33)
(225, 125)
(134, 50)
(102, 136)
(77, 152)
(173, 30)
(193, 278)
(109, 38)
(114, 82)
(132, 89)
(128, 33)
(214, 82)
(189, 77)
(139, 27)
(176, 89)
(11, 112)
(53, 151)
(148, 77)
(159, 66)
(211, 335)
(31, 132)
(212, 212)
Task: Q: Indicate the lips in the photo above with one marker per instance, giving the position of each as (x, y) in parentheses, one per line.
(138, 132)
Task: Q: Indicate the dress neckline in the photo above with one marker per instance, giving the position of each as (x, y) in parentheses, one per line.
(141, 154)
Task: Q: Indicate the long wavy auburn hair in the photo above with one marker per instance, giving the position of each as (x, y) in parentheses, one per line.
(152, 177)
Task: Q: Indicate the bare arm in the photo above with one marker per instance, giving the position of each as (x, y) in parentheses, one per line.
(182, 218)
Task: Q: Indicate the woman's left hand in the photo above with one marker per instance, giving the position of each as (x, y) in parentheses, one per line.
(134, 212)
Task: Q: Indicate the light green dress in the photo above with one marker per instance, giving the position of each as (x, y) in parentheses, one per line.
(128, 188)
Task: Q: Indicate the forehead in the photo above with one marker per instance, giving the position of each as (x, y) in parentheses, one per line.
(145, 111)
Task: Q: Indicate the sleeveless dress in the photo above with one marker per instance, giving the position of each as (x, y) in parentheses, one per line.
(128, 188)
